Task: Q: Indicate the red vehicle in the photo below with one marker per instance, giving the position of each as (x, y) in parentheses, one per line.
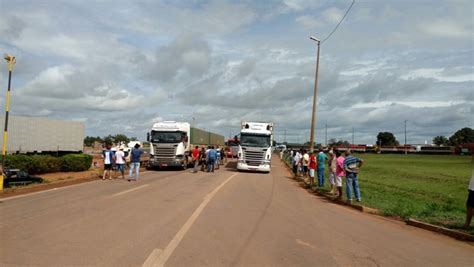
(232, 147)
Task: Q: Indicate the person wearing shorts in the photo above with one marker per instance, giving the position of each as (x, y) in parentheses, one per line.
(108, 156)
(304, 163)
(470, 202)
(120, 162)
(339, 173)
(332, 171)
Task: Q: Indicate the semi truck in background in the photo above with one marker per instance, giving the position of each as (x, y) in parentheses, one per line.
(171, 143)
(255, 148)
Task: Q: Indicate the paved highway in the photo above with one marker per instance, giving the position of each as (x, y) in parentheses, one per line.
(226, 218)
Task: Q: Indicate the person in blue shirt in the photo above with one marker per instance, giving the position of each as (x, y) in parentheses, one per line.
(211, 159)
(135, 155)
(321, 164)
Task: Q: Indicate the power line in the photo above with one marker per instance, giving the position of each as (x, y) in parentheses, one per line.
(337, 26)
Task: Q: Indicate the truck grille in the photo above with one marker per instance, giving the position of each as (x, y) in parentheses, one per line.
(254, 158)
(164, 154)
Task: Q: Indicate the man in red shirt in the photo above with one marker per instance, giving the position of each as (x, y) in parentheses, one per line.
(195, 155)
(312, 168)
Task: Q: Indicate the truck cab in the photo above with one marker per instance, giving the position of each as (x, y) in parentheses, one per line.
(169, 144)
(255, 148)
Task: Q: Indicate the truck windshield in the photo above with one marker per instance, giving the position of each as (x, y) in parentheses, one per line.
(254, 140)
(166, 137)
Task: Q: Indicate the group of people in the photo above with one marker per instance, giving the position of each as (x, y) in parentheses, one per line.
(209, 158)
(119, 159)
(308, 164)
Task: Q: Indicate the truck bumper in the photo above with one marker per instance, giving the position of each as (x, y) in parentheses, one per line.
(245, 167)
(163, 164)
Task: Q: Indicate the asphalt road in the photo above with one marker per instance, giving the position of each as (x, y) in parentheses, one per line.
(226, 218)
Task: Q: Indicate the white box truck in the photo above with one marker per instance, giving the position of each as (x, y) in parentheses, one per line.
(255, 148)
(171, 143)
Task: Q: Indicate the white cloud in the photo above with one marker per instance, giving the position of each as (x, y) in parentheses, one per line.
(446, 28)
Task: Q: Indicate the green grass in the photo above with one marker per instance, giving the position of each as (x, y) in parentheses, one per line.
(430, 188)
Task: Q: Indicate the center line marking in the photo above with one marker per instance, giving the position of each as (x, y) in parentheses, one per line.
(168, 251)
(130, 190)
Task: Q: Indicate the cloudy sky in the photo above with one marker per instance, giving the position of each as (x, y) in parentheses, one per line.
(120, 66)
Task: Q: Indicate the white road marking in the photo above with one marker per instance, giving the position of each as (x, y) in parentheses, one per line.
(130, 190)
(168, 251)
(53, 189)
(152, 258)
(41, 192)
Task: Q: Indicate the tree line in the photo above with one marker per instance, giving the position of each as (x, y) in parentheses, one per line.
(109, 139)
(462, 136)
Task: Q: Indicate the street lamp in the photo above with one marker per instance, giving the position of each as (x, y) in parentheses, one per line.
(11, 61)
(313, 116)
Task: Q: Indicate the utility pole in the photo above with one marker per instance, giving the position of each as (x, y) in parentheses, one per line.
(11, 61)
(326, 135)
(313, 117)
(405, 132)
(352, 135)
(406, 152)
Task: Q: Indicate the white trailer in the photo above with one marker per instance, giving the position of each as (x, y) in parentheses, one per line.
(255, 148)
(43, 135)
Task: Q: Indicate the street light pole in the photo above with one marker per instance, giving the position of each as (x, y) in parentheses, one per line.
(11, 61)
(405, 132)
(326, 135)
(406, 152)
(313, 117)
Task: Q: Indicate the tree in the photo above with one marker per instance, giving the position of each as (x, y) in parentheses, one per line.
(121, 138)
(440, 140)
(387, 139)
(89, 140)
(332, 141)
(464, 135)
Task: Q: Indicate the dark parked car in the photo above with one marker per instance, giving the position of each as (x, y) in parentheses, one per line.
(18, 177)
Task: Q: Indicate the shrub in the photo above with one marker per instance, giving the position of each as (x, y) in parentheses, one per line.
(38, 164)
(44, 164)
(76, 162)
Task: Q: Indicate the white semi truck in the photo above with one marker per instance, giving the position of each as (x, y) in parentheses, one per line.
(171, 143)
(255, 148)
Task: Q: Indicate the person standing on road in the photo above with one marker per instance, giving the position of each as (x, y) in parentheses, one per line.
(120, 161)
(351, 166)
(109, 156)
(312, 168)
(339, 173)
(218, 157)
(202, 156)
(332, 170)
(135, 155)
(296, 163)
(211, 159)
(321, 164)
(304, 163)
(195, 155)
(470, 202)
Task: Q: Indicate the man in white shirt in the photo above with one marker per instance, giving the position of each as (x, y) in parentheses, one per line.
(296, 162)
(120, 161)
(470, 202)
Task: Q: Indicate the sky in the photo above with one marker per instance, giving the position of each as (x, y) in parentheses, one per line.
(120, 66)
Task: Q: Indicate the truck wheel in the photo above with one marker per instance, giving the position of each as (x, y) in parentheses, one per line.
(185, 164)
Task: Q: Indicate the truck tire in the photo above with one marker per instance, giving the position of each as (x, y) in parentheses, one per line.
(185, 163)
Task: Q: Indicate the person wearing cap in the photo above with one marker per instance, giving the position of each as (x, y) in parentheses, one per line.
(120, 161)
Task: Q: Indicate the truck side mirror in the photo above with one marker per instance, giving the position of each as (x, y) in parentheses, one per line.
(148, 137)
